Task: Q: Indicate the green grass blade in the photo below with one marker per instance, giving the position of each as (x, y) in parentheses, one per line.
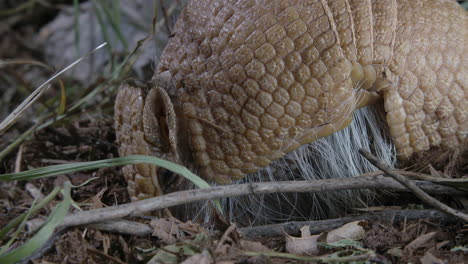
(61, 169)
(41, 237)
(105, 33)
(56, 170)
(116, 11)
(113, 19)
(20, 229)
(17, 142)
(34, 209)
(76, 28)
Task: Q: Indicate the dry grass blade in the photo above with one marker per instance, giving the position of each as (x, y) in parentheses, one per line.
(4, 63)
(16, 114)
(34, 96)
(18, 9)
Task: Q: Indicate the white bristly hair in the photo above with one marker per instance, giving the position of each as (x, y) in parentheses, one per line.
(335, 156)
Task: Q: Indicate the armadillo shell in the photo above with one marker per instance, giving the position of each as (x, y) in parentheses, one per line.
(256, 79)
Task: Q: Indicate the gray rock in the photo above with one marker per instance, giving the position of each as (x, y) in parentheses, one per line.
(69, 37)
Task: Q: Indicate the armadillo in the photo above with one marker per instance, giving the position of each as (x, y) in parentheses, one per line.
(241, 83)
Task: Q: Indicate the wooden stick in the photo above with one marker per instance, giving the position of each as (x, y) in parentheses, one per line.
(292, 228)
(183, 197)
(429, 200)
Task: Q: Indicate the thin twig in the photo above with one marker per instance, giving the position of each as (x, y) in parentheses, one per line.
(429, 200)
(123, 227)
(183, 197)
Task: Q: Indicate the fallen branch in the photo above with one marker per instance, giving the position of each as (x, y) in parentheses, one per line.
(322, 259)
(292, 228)
(429, 200)
(183, 197)
(316, 227)
(123, 227)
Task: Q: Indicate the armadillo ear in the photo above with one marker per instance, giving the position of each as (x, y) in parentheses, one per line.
(142, 179)
(159, 124)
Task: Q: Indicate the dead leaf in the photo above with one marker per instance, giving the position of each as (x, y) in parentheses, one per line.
(354, 230)
(166, 230)
(420, 242)
(34, 191)
(191, 229)
(254, 246)
(409, 232)
(396, 252)
(435, 173)
(442, 244)
(306, 245)
(230, 237)
(96, 199)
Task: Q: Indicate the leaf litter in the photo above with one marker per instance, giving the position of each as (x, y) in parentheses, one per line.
(90, 136)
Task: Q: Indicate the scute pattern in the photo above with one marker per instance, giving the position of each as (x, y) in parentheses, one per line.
(265, 78)
(428, 105)
(252, 80)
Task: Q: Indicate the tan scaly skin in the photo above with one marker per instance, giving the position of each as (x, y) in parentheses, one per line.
(242, 83)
